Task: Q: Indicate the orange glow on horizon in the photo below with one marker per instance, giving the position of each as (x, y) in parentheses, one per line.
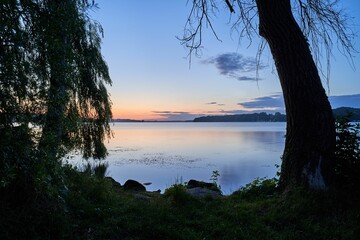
(134, 114)
(140, 113)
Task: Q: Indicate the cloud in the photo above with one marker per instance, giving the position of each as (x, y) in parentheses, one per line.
(345, 101)
(276, 102)
(233, 64)
(215, 103)
(273, 102)
(163, 112)
(175, 116)
(246, 78)
(226, 112)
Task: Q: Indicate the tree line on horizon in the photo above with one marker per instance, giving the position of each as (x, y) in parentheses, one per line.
(352, 113)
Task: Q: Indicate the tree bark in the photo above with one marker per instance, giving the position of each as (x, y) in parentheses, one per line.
(57, 41)
(308, 158)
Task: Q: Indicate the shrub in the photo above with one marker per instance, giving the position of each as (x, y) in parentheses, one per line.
(347, 153)
(260, 187)
(177, 192)
(100, 170)
(97, 169)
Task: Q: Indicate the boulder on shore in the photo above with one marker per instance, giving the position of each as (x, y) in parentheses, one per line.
(132, 185)
(200, 189)
(116, 185)
(200, 184)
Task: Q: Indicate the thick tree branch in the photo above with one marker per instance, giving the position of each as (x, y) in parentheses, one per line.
(230, 6)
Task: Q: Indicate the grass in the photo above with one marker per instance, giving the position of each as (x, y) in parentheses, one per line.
(92, 209)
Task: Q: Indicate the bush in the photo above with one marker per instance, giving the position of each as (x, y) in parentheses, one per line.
(177, 192)
(347, 153)
(99, 170)
(260, 187)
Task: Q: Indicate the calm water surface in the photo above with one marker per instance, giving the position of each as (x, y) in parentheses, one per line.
(166, 153)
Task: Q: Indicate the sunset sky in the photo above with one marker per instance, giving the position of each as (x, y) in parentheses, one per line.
(153, 80)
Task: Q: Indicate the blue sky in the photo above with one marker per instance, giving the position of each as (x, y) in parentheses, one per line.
(152, 78)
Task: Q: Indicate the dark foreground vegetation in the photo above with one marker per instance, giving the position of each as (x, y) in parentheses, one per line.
(93, 209)
(84, 204)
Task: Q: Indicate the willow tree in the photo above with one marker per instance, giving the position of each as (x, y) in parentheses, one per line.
(293, 31)
(78, 105)
(53, 78)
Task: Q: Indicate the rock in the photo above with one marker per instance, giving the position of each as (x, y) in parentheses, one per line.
(200, 192)
(133, 185)
(200, 184)
(116, 185)
(202, 189)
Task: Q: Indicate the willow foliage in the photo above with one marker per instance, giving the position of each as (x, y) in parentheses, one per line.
(53, 76)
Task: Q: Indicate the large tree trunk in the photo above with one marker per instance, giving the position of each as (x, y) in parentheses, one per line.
(310, 134)
(57, 40)
(54, 121)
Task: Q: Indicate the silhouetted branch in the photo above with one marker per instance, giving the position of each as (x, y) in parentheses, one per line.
(322, 22)
(193, 30)
(230, 6)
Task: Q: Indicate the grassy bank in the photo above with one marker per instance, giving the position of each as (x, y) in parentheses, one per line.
(91, 208)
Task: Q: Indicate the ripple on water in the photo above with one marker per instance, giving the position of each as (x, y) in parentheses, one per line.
(160, 160)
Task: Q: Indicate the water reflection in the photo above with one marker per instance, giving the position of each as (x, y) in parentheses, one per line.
(163, 153)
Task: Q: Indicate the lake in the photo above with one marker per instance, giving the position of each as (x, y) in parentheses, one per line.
(164, 153)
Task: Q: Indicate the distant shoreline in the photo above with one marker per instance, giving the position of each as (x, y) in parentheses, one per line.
(147, 121)
(249, 117)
